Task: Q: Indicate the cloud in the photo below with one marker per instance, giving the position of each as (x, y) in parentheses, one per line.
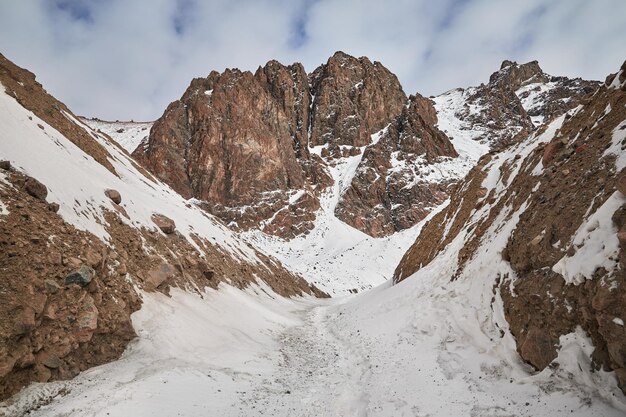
(127, 59)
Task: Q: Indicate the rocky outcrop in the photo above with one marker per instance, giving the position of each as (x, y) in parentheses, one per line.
(246, 161)
(564, 255)
(518, 98)
(237, 140)
(354, 98)
(390, 191)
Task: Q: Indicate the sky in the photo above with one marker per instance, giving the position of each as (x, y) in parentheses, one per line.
(128, 59)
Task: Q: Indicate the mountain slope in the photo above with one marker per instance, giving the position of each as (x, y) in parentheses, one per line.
(84, 231)
(539, 223)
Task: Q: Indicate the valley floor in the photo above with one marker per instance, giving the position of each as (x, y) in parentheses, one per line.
(252, 353)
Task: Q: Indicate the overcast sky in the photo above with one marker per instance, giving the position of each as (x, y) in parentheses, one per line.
(127, 59)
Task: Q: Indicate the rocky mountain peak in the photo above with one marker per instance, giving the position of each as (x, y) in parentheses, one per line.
(512, 75)
(354, 98)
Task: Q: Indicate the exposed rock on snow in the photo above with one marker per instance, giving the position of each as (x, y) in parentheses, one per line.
(545, 236)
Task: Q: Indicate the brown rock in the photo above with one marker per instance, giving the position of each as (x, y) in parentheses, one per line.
(43, 373)
(354, 98)
(25, 321)
(93, 257)
(538, 348)
(621, 183)
(6, 365)
(160, 274)
(50, 360)
(550, 151)
(54, 207)
(164, 223)
(51, 286)
(120, 210)
(55, 257)
(87, 319)
(36, 188)
(114, 195)
(5, 165)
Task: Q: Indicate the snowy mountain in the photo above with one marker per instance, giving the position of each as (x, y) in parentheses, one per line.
(249, 163)
(129, 298)
(88, 231)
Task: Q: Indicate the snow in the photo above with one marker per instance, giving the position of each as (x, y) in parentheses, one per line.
(618, 321)
(532, 97)
(464, 139)
(596, 243)
(428, 346)
(209, 92)
(334, 256)
(131, 135)
(77, 182)
(617, 146)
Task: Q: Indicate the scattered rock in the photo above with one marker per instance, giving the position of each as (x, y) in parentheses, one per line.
(36, 188)
(50, 360)
(538, 348)
(114, 195)
(159, 275)
(164, 223)
(81, 277)
(51, 286)
(5, 165)
(54, 207)
(93, 258)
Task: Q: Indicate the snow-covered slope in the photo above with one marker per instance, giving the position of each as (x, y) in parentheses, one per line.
(77, 182)
(334, 256)
(128, 134)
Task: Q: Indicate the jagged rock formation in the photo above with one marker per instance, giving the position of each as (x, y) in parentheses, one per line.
(246, 162)
(242, 142)
(354, 98)
(73, 251)
(517, 98)
(387, 193)
(550, 211)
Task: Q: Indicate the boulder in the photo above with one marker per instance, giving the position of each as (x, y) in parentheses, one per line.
(35, 188)
(51, 286)
(81, 277)
(164, 223)
(5, 165)
(87, 319)
(114, 195)
(538, 348)
(160, 274)
(54, 207)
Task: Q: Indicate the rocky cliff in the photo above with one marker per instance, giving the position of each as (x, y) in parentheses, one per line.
(241, 141)
(542, 222)
(83, 231)
(257, 148)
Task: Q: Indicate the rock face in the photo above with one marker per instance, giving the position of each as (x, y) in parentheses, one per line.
(387, 193)
(248, 162)
(354, 98)
(518, 98)
(246, 144)
(563, 264)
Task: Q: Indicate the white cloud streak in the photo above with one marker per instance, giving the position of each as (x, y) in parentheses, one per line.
(127, 59)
